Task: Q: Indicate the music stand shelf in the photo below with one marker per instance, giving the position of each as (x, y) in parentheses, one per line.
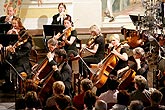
(4, 28)
(7, 39)
(51, 30)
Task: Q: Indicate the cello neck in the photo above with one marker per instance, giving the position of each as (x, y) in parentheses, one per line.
(105, 59)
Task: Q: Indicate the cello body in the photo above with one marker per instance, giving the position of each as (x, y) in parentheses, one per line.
(44, 79)
(108, 64)
(126, 79)
(101, 76)
(46, 90)
(41, 71)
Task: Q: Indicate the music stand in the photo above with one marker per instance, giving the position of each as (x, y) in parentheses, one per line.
(51, 30)
(136, 19)
(7, 39)
(4, 28)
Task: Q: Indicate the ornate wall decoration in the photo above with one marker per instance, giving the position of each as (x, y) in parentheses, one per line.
(17, 5)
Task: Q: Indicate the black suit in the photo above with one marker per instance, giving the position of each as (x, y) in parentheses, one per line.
(65, 75)
(2, 19)
(55, 19)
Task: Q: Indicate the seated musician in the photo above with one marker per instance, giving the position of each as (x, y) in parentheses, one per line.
(69, 39)
(19, 52)
(120, 52)
(96, 47)
(62, 70)
(141, 65)
(52, 45)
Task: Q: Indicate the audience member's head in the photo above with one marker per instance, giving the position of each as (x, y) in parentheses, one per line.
(140, 82)
(156, 97)
(86, 84)
(58, 87)
(100, 105)
(70, 108)
(136, 105)
(63, 101)
(123, 97)
(113, 84)
(30, 85)
(89, 99)
(31, 99)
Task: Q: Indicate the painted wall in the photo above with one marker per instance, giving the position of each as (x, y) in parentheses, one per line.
(84, 12)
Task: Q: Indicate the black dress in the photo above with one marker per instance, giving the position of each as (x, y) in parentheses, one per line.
(20, 59)
(93, 59)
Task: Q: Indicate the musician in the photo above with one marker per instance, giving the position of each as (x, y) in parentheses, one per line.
(120, 52)
(52, 44)
(62, 70)
(69, 39)
(97, 48)
(141, 65)
(58, 18)
(9, 15)
(19, 52)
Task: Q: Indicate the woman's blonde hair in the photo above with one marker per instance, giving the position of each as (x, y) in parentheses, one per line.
(95, 28)
(114, 36)
(58, 87)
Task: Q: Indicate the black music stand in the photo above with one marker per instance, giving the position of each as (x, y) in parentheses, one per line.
(4, 28)
(51, 30)
(136, 19)
(7, 39)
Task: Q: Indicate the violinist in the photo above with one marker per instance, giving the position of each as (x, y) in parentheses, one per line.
(58, 18)
(19, 52)
(96, 47)
(120, 52)
(69, 39)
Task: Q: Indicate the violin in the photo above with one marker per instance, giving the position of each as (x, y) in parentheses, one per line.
(91, 41)
(23, 39)
(66, 33)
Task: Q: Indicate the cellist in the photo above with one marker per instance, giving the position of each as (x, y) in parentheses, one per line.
(62, 70)
(121, 63)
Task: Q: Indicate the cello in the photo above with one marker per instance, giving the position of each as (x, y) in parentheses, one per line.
(108, 64)
(41, 71)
